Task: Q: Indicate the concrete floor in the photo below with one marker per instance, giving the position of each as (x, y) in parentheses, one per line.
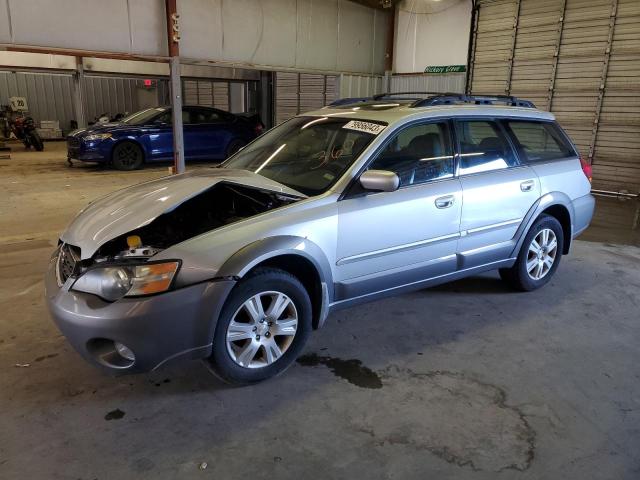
(464, 381)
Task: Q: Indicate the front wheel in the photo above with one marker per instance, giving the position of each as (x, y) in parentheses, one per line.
(539, 256)
(127, 156)
(263, 327)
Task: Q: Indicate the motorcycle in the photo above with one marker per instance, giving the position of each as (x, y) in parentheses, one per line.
(24, 129)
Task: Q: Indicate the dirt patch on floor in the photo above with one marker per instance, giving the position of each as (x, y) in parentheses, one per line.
(459, 419)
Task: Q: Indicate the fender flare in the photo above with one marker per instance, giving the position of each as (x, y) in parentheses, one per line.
(251, 255)
(548, 200)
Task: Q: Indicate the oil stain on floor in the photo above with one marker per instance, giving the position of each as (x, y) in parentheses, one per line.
(351, 370)
(459, 419)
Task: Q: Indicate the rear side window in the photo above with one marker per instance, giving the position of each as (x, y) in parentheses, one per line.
(483, 147)
(539, 141)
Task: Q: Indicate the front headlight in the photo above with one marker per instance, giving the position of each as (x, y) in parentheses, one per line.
(97, 136)
(114, 282)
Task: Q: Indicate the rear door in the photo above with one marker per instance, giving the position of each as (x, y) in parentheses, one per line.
(497, 191)
(389, 239)
(209, 132)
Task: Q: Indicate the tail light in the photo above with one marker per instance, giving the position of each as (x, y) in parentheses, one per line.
(259, 128)
(586, 169)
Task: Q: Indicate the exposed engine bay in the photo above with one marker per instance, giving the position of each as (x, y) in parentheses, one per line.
(220, 205)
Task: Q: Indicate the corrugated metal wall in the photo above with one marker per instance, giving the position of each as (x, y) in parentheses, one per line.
(452, 82)
(114, 95)
(301, 92)
(49, 96)
(360, 85)
(578, 58)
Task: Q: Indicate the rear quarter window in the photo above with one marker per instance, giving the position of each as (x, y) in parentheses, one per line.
(539, 141)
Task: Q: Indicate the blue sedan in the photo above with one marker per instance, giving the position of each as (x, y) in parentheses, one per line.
(147, 136)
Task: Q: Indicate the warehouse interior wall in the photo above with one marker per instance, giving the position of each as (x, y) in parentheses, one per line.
(324, 35)
(430, 33)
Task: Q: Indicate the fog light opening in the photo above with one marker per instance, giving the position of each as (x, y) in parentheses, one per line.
(110, 353)
(125, 351)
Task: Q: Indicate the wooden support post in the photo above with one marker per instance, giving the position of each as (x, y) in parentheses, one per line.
(556, 56)
(514, 37)
(603, 79)
(475, 13)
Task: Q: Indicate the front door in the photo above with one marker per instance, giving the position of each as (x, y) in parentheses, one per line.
(390, 239)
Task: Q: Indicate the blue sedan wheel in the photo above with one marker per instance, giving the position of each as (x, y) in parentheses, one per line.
(127, 156)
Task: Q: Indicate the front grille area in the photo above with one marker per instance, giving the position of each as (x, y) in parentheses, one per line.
(73, 142)
(68, 262)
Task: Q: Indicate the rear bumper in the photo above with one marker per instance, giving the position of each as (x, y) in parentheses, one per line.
(175, 325)
(583, 209)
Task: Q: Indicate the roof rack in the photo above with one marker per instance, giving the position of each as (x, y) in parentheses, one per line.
(456, 98)
(416, 95)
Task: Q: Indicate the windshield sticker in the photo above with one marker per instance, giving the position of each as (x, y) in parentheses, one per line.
(368, 127)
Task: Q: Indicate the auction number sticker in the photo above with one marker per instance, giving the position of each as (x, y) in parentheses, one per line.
(368, 127)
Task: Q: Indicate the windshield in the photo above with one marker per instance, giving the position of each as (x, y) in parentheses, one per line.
(143, 116)
(308, 154)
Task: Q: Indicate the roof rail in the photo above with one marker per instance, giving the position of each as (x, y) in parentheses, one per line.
(382, 96)
(455, 98)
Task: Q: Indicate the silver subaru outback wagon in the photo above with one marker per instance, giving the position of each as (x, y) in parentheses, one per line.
(237, 264)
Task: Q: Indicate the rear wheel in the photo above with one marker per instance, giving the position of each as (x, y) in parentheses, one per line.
(262, 329)
(539, 256)
(127, 156)
(36, 140)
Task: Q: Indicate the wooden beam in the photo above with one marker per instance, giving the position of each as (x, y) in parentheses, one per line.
(603, 79)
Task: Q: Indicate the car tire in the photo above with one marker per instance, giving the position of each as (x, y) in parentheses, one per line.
(234, 147)
(243, 351)
(539, 256)
(127, 156)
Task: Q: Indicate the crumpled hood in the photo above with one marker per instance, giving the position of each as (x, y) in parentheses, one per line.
(133, 207)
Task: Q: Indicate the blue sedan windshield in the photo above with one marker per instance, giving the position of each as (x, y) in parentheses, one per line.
(308, 154)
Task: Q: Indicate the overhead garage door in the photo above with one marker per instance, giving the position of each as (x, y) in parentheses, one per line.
(301, 92)
(578, 58)
(207, 92)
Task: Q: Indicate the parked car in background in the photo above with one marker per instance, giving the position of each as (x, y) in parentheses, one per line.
(336, 207)
(147, 136)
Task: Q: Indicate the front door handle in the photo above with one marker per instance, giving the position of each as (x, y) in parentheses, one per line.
(445, 202)
(527, 185)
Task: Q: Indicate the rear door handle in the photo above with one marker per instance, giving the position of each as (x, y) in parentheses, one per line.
(527, 185)
(445, 202)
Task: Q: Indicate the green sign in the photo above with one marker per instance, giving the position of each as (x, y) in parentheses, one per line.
(445, 69)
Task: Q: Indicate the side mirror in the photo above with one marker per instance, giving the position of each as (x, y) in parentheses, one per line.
(379, 181)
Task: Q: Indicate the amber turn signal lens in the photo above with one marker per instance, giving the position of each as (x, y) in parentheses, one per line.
(153, 278)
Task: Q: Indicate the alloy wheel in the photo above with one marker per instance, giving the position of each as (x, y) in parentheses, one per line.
(542, 253)
(262, 329)
(128, 155)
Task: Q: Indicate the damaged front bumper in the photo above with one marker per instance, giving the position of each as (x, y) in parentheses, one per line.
(178, 324)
